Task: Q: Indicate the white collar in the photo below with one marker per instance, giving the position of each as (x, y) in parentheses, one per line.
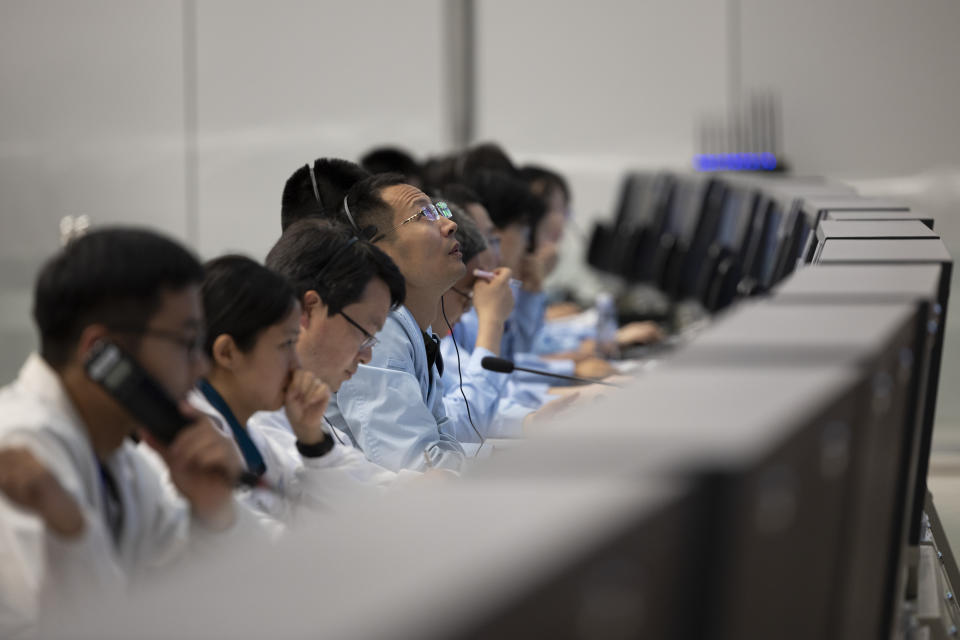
(406, 317)
(38, 379)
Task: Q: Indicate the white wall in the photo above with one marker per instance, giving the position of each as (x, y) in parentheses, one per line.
(92, 117)
(595, 88)
(91, 121)
(869, 87)
(600, 78)
(289, 81)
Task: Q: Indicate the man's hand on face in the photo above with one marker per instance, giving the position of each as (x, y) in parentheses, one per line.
(493, 299)
(306, 402)
(204, 465)
(30, 486)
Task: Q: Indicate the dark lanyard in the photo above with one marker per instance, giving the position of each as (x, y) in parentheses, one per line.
(251, 455)
(112, 504)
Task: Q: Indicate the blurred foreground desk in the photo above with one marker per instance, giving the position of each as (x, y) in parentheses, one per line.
(534, 557)
(768, 449)
(923, 279)
(879, 341)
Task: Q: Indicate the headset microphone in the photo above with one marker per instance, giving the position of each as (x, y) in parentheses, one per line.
(502, 365)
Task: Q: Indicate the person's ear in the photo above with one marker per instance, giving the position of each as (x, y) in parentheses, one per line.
(225, 353)
(90, 336)
(314, 309)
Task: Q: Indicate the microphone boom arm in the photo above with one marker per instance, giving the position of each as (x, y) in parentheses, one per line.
(571, 378)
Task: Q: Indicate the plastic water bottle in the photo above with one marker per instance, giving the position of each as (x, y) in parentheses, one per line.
(606, 325)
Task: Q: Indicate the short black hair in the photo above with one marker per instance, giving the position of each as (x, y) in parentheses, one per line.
(330, 259)
(391, 160)
(333, 178)
(113, 276)
(464, 165)
(241, 298)
(507, 200)
(369, 214)
(543, 181)
(488, 156)
(459, 194)
(468, 235)
(440, 170)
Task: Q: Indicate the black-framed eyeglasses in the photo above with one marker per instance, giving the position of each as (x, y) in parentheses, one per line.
(194, 346)
(432, 212)
(369, 340)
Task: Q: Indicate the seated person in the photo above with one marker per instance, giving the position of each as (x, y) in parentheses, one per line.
(551, 188)
(469, 202)
(461, 166)
(481, 403)
(80, 506)
(571, 336)
(476, 400)
(508, 223)
(253, 326)
(316, 190)
(393, 160)
(347, 288)
(515, 214)
(392, 408)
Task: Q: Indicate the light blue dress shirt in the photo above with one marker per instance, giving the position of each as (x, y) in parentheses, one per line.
(519, 336)
(525, 322)
(566, 334)
(392, 408)
(521, 328)
(496, 408)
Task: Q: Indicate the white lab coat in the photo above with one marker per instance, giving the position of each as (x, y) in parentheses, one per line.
(344, 459)
(38, 568)
(341, 475)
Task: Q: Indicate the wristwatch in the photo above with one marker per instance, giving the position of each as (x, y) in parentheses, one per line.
(316, 450)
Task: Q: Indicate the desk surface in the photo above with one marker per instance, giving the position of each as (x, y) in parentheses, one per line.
(841, 328)
(890, 229)
(854, 283)
(925, 218)
(851, 202)
(676, 420)
(924, 250)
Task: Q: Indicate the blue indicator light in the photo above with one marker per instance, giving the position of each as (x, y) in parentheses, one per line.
(765, 161)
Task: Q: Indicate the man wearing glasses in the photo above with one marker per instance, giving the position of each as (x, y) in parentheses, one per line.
(393, 406)
(81, 507)
(346, 288)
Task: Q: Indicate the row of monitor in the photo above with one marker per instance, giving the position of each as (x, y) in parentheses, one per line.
(714, 238)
